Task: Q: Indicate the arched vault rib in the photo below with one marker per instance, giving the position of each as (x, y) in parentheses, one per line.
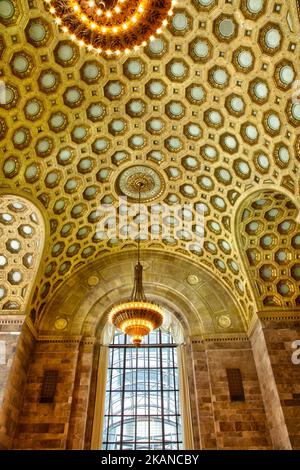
(207, 305)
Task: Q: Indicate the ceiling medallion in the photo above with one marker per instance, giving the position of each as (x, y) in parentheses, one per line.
(224, 321)
(130, 181)
(111, 26)
(137, 317)
(60, 323)
(192, 279)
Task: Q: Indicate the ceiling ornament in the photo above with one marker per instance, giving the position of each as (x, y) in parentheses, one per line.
(224, 321)
(137, 317)
(111, 26)
(141, 180)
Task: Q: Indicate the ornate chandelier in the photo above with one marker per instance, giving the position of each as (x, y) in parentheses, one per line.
(137, 317)
(111, 26)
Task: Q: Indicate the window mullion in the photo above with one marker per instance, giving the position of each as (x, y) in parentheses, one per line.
(175, 398)
(123, 401)
(135, 403)
(149, 391)
(162, 393)
(109, 399)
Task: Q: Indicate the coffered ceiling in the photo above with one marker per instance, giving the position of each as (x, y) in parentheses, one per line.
(207, 113)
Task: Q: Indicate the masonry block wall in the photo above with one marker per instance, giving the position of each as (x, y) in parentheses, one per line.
(226, 424)
(45, 425)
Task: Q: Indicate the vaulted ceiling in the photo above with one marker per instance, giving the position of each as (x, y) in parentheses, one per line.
(207, 114)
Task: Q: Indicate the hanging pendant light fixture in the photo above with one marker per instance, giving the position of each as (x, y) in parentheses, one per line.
(111, 26)
(137, 317)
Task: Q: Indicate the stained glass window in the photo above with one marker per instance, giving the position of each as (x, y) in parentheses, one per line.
(142, 409)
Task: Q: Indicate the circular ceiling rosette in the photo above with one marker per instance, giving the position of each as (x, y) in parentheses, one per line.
(111, 26)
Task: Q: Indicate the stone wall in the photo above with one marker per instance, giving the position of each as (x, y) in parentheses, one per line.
(268, 418)
(17, 345)
(46, 425)
(225, 424)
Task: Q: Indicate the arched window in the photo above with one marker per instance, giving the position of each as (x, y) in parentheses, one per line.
(142, 405)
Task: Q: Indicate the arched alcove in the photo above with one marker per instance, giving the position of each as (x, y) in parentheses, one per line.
(22, 239)
(268, 237)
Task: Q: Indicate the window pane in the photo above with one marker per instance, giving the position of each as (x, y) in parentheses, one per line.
(142, 399)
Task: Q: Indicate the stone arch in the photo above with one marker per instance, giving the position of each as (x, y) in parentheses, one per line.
(22, 242)
(267, 233)
(81, 304)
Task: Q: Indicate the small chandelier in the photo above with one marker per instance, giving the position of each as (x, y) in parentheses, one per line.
(137, 317)
(111, 26)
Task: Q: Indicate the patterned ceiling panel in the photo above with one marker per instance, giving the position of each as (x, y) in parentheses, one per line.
(208, 107)
(270, 237)
(21, 240)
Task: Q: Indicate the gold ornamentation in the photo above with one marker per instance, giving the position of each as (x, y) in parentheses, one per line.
(192, 279)
(60, 323)
(130, 179)
(137, 319)
(111, 26)
(224, 321)
(93, 281)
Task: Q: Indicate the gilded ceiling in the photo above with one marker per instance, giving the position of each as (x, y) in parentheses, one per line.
(207, 113)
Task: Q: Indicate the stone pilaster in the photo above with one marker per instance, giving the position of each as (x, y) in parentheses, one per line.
(16, 350)
(80, 400)
(272, 339)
